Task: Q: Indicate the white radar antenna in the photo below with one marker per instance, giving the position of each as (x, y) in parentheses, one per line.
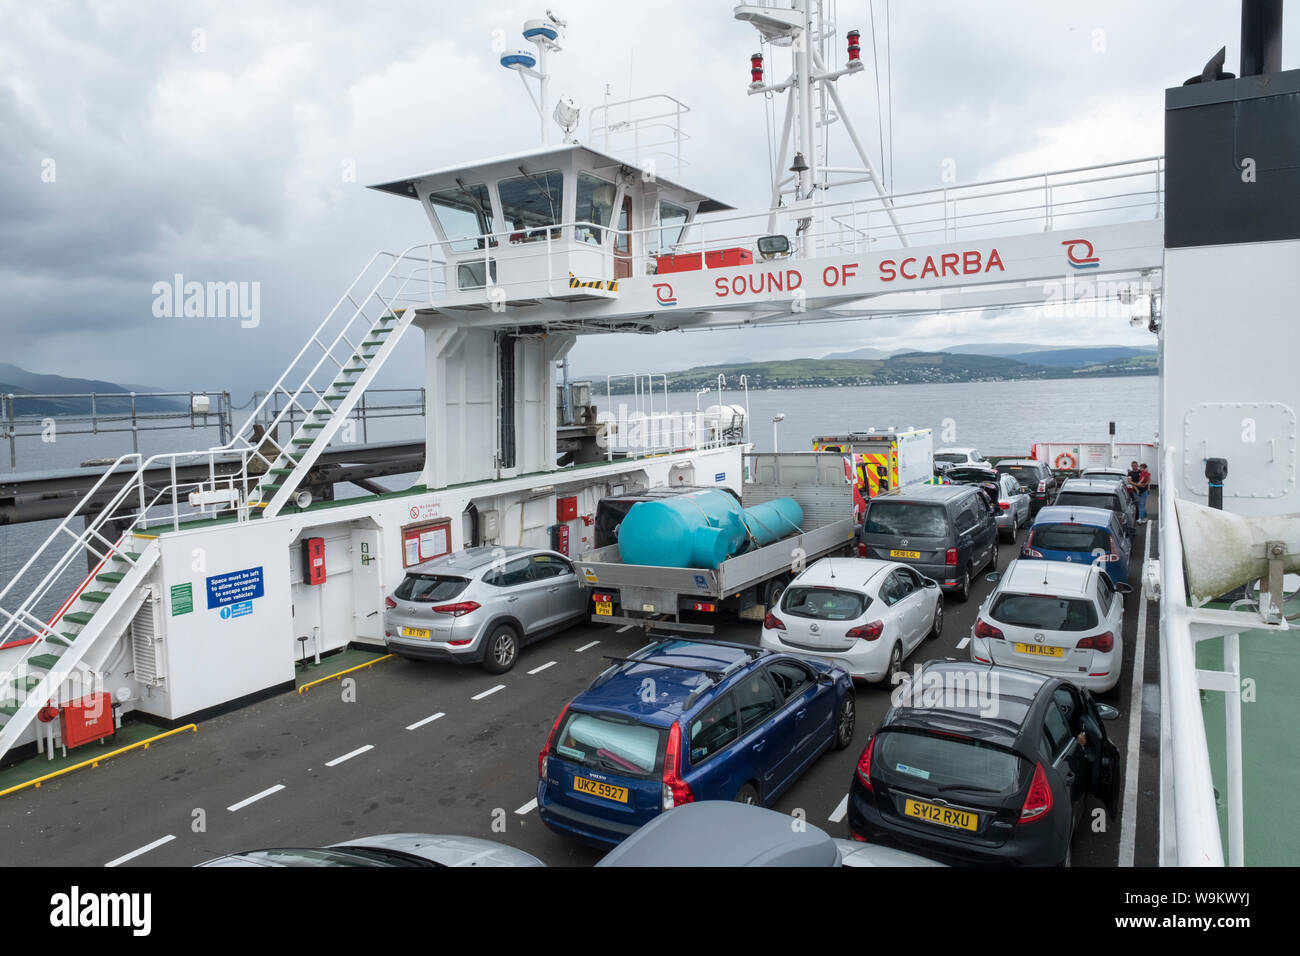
(545, 33)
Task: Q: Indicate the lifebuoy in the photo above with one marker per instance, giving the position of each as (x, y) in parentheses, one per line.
(1066, 462)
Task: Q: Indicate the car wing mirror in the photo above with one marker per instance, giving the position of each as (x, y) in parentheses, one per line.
(1107, 712)
(1123, 588)
(993, 576)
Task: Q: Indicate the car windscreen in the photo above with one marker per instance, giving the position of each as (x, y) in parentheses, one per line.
(1044, 611)
(1071, 537)
(944, 763)
(610, 743)
(824, 604)
(430, 587)
(906, 518)
(1083, 499)
(1024, 474)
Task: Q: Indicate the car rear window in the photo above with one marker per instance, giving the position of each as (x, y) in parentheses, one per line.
(951, 458)
(1080, 499)
(1022, 473)
(1044, 611)
(609, 743)
(430, 587)
(904, 518)
(971, 475)
(824, 604)
(944, 762)
(1082, 538)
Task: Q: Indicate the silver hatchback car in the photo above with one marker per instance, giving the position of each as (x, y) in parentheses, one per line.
(481, 605)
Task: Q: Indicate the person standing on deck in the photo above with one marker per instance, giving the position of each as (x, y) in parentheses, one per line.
(1143, 487)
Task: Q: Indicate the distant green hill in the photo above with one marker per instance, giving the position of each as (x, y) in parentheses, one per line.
(908, 368)
(109, 397)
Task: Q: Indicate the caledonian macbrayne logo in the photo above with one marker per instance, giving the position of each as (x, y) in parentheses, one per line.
(1088, 260)
(664, 294)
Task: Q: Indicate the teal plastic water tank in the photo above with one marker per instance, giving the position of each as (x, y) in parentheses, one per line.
(700, 529)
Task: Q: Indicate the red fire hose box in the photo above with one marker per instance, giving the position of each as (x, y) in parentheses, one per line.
(90, 718)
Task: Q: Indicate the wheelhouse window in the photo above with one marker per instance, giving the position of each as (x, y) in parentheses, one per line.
(465, 215)
(531, 203)
(672, 223)
(595, 204)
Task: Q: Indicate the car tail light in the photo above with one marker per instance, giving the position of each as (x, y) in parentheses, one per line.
(1039, 799)
(1099, 642)
(986, 630)
(950, 557)
(457, 610)
(1042, 486)
(389, 602)
(1004, 505)
(460, 643)
(864, 764)
(862, 550)
(773, 623)
(602, 597)
(1028, 552)
(702, 606)
(676, 790)
(1114, 550)
(550, 739)
(868, 632)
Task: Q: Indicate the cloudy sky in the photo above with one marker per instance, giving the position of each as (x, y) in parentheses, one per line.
(231, 141)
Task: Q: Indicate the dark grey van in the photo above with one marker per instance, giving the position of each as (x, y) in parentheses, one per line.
(946, 532)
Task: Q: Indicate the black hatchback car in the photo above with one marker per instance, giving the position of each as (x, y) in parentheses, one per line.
(980, 764)
(946, 532)
(1035, 478)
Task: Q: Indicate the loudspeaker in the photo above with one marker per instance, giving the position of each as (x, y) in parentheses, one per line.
(1222, 551)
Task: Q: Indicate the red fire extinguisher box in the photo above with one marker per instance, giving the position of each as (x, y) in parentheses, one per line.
(90, 718)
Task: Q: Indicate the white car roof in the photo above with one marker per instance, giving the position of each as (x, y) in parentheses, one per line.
(1034, 576)
(850, 573)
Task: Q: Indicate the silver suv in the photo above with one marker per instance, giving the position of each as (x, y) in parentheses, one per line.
(482, 605)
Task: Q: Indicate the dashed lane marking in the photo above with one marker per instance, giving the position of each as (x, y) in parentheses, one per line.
(625, 627)
(961, 645)
(840, 810)
(348, 756)
(586, 647)
(528, 807)
(428, 720)
(538, 670)
(144, 849)
(488, 692)
(255, 797)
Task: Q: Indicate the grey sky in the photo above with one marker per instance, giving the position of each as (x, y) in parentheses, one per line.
(233, 162)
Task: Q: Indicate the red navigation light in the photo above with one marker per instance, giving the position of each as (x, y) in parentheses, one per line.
(756, 68)
(854, 49)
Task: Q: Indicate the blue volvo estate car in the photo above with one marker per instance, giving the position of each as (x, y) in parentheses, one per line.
(683, 720)
(1080, 535)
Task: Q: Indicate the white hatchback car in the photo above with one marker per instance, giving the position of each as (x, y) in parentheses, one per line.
(864, 614)
(1054, 617)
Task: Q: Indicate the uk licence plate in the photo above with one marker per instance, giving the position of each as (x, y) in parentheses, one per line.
(1038, 651)
(606, 791)
(944, 816)
(416, 632)
(605, 607)
(905, 554)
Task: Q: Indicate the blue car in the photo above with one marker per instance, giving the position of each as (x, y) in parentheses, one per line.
(1081, 535)
(684, 720)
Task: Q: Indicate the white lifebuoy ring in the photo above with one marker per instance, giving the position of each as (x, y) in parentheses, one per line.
(1066, 462)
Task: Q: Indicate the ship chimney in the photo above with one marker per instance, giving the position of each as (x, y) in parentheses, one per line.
(1261, 37)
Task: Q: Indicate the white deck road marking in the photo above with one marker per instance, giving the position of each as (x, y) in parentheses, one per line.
(840, 810)
(625, 627)
(1128, 815)
(428, 720)
(144, 849)
(348, 756)
(961, 645)
(528, 807)
(490, 690)
(586, 647)
(255, 797)
(538, 670)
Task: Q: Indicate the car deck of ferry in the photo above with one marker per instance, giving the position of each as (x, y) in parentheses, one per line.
(406, 746)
